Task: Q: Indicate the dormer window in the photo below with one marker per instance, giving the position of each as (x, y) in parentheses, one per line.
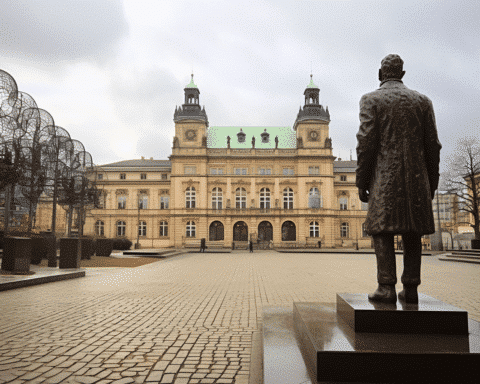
(265, 136)
(241, 136)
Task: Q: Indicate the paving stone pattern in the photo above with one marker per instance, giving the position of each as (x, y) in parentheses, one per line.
(189, 319)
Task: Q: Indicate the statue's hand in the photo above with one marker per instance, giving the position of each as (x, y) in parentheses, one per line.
(363, 194)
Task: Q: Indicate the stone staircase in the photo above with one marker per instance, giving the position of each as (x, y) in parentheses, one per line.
(464, 256)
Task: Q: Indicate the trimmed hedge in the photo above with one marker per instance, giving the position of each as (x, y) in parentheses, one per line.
(122, 244)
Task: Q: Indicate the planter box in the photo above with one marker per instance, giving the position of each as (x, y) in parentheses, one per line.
(475, 244)
(16, 255)
(87, 249)
(39, 250)
(69, 253)
(103, 247)
(50, 243)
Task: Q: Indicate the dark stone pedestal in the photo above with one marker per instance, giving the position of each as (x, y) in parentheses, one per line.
(428, 317)
(69, 253)
(16, 255)
(334, 352)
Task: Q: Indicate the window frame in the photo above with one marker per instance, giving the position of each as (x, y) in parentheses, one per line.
(121, 202)
(240, 198)
(163, 228)
(344, 230)
(142, 228)
(288, 197)
(314, 229)
(265, 202)
(190, 198)
(164, 202)
(190, 229)
(100, 228)
(217, 198)
(121, 227)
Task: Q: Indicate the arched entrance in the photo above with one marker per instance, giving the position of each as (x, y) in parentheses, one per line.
(216, 232)
(289, 232)
(240, 231)
(265, 231)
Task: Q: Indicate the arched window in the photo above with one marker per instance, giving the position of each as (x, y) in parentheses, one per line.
(217, 198)
(190, 229)
(314, 198)
(288, 198)
(240, 198)
(314, 229)
(343, 201)
(265, 198)
(190, 197)
(289, 232)
(121, 228)
(163, 228)
(142, 228)
(100, 228)
(344, 230)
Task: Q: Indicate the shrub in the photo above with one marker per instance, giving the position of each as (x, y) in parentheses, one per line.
(122, 244)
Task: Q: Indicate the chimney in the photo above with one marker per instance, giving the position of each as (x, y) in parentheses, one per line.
(143, 158)
(151, 158)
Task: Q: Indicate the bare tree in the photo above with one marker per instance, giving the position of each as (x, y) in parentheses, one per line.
(463, 179)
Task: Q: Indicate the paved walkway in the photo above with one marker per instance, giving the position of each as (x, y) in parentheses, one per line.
(189, 319)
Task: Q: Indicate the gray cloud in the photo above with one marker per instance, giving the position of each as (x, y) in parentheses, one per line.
(60, 30)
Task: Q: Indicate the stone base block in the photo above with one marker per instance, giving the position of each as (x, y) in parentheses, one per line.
(334, 352)
(429, 316)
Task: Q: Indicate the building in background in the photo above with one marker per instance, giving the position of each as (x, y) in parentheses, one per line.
(277, 185)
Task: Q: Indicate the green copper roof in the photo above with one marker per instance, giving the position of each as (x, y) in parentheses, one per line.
(312, 84)
(217, 137)
(191, 84)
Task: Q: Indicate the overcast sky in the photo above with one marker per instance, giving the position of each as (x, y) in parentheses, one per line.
(112, 72)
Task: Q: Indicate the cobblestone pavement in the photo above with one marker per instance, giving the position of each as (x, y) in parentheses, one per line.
(189, 319)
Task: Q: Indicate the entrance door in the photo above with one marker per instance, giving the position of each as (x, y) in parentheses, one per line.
(216, 231)
(265, 231)
(240, 231)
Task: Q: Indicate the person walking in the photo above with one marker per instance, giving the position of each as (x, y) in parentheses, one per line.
(251, 246)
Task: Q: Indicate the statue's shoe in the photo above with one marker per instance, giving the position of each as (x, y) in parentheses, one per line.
(409, 295)
(384, 294)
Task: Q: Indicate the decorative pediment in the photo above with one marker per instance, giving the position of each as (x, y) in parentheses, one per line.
(266, 182)
(314, 183)
(145, 192)
(343, 193)
(163, 192)
(217, 181)
(195, 219)
(190, 182)
(241, 182)
(288, 182)
(309, 219)
(121, 192)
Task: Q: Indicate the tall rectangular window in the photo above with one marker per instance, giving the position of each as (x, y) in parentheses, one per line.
(343, 177)
(122, 202)
(143, 202)
(143, 176)
(164, 176)
(164, 201)
(123, 176)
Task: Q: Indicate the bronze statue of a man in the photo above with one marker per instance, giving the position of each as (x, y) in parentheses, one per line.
(398, 156)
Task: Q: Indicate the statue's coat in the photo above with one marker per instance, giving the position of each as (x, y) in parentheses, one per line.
(398, 156)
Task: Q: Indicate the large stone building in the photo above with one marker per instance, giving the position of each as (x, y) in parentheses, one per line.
(232, 184)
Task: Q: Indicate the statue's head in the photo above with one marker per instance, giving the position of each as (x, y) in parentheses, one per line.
(391, 68)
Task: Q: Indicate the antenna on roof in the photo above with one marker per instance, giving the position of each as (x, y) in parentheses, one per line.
(350, 155)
